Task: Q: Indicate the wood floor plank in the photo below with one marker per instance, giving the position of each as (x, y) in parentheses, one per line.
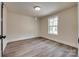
(38, 47)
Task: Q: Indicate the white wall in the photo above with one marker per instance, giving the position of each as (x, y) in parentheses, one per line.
(21, 27)
(67, 27)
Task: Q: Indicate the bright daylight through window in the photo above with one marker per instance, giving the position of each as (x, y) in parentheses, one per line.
(53, 25)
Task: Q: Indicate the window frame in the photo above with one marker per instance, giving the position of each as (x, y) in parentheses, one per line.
(53, 26)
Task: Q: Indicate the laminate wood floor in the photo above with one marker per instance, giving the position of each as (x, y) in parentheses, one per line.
(38, 47)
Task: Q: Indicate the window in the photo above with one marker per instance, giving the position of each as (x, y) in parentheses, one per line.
(53, 25)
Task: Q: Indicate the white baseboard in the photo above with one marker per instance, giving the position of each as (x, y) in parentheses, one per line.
(66, 43)
(20, 38)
